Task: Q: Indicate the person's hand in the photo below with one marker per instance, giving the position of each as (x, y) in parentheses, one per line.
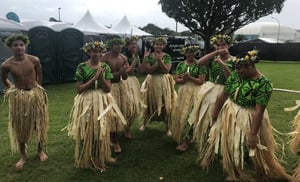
(99, 72)
(158, 58)
(186, 76)
(147, 53)
(135, 52)
(252, 141)
(222, 51)
(124, 68)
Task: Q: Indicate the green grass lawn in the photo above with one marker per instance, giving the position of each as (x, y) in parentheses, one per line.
(146, 157)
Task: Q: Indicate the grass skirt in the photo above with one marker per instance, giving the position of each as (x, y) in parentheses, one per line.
(159, 95)
(28, 112)
(90, 126)
(184, 104)
(295, 141)
(132, 106)
(201, 115)
(236, 124)
(121, 95)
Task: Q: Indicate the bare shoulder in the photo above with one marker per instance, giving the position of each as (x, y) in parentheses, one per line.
(33, 58)
(123, 57)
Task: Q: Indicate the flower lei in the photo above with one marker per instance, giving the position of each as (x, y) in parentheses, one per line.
(92, 45)
(221, 38)
(8, 41)
(250, 57)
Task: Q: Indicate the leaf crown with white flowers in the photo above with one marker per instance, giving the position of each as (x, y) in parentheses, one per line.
(92, 45)
(250, 57)
(215, 40)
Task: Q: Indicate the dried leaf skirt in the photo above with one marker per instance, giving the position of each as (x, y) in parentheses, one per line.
(90, 126)
(184, 104)
(28, 112)
(201, 115)
(236, 121)
(159, 96)
(128, 96)
(294, 144)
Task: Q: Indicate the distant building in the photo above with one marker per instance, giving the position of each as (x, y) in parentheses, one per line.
(269, 31)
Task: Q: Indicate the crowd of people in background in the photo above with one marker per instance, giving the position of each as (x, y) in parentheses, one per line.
(220, 105)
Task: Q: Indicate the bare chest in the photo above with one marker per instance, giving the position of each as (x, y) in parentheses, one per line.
(22, 68)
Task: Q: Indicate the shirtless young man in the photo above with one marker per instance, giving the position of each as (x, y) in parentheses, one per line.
(120, 68)
(28, 111)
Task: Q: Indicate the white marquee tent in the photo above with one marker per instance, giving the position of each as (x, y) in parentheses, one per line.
(9, 25)
(88, 25)
(125, 28)
(271, 30)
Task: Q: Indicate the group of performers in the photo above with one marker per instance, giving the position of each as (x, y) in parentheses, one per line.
(220, 106)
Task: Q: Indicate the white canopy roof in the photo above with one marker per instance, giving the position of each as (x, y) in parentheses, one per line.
(9, 25)
(124, 27)
(36, 23)
(89, 26)
(270, 30)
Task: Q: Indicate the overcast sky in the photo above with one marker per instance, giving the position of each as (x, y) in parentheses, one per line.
(110, 12)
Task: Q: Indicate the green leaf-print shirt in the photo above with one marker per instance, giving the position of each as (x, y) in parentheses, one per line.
(216, 73)
(166, 59)
(85, 73)
(195, 70)
(248, 93)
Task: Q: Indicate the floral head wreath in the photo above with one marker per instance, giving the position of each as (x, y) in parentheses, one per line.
(250, 57)
(130, 39)
(159, 39)
(190, 48)
(115, 41)
(9, 40)
(92, 45)
(221, 38)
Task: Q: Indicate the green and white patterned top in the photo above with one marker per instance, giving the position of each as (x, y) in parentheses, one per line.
(248, 93)
(166, 59)
(85, 73)
(194, 69)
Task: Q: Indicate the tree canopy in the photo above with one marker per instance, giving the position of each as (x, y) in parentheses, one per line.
(209, 17)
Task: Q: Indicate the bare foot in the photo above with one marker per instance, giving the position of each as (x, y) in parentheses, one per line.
(117, 148)
(142, 128)
(169, 133)
(43, 157)
(183, 146)
(20, 163)
(128, 135)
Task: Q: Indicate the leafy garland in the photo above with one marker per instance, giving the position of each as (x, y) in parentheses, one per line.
(9, 40)
(115, 41)
(191, 48)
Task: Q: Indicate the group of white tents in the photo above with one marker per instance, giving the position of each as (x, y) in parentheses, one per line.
(87, 24)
